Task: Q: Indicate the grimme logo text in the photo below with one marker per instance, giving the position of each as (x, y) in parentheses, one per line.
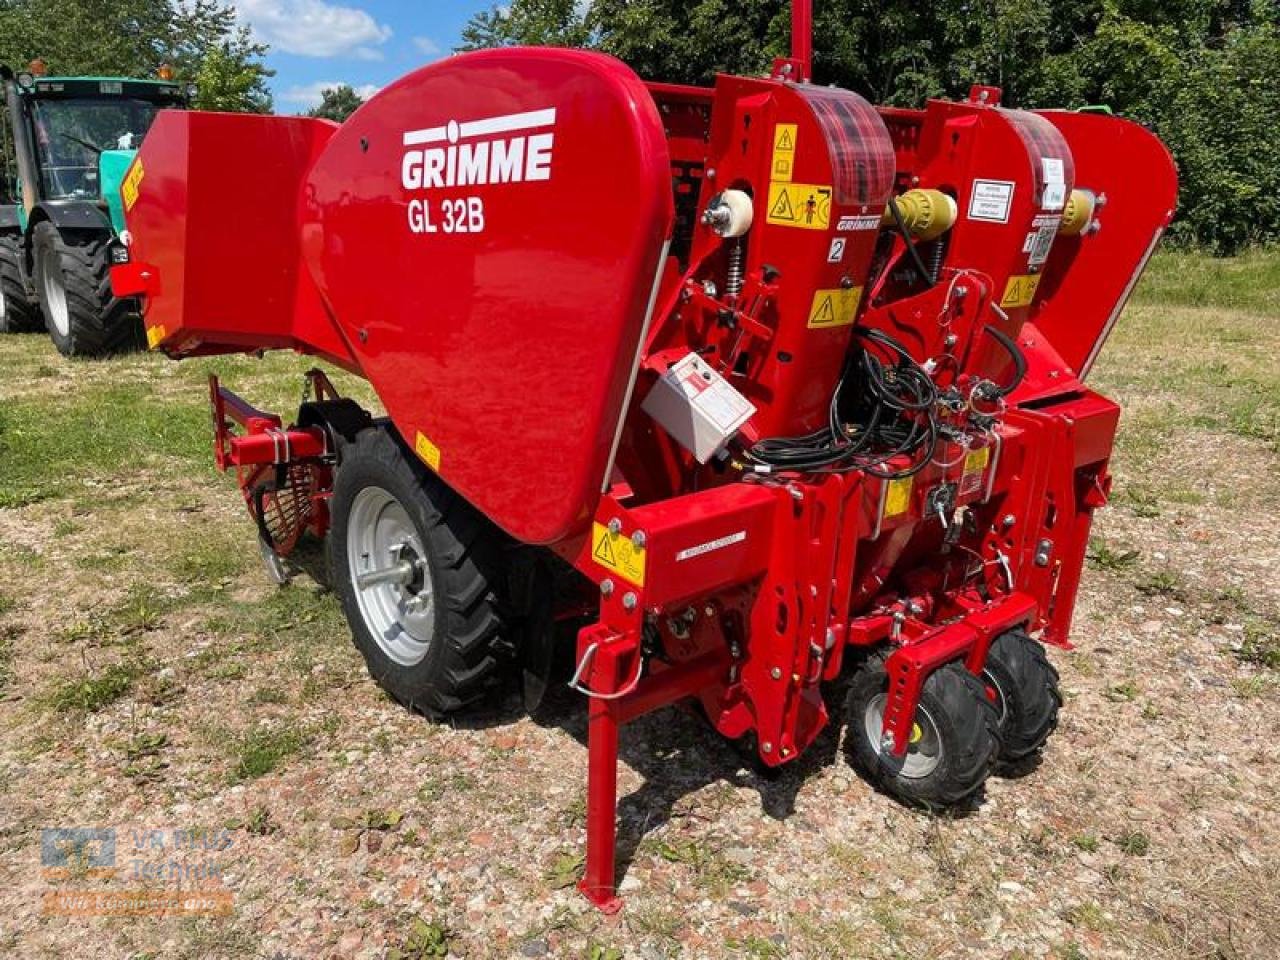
(509, 148)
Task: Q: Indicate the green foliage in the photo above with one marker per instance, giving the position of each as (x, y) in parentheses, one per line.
(1204, 74)
(426, 939)
(336, 103)
(199, 38)
(551, 23)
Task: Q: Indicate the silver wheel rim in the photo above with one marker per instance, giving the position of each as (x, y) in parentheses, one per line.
(924, 752)
(55, 297)
(390, 576)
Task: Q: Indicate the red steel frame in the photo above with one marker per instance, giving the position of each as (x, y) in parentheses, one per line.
(752, 586)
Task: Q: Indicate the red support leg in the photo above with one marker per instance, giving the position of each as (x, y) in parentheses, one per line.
(597, 883)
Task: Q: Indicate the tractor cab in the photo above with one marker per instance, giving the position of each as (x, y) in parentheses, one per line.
(70, 142)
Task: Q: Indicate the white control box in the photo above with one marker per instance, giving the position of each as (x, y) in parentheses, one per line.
(697, 407)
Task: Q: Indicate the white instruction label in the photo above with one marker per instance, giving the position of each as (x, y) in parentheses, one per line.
(990, 200)
(1055, 187)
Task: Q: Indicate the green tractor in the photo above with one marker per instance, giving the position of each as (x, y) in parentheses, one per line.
(71, 141)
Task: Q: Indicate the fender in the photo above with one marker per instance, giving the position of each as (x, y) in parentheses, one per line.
(72, 215)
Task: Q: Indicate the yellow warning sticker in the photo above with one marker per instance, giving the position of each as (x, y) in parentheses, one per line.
(976, 460)
(834, 308)
(805, 205)
(1020, 290)
(155, 335)
(897, 498)
(618, 553)
(130, 185)
(784, 151)
(427, 450)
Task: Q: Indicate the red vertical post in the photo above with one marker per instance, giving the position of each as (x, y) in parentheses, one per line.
(597, 883)
(802, 37)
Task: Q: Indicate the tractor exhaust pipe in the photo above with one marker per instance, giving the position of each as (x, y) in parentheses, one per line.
(21, 141)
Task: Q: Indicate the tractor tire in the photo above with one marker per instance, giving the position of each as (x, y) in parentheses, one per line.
(17, 313)
(435, 636)
(73, 283)
(1023, 685)
(955, 741)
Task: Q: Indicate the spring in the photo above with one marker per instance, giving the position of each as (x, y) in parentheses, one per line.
(935, 261)
(733, 286)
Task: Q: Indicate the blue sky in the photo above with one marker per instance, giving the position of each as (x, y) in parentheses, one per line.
(366, 43)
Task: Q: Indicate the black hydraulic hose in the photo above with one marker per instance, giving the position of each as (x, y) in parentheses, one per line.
(925, 275)
(1015, 354)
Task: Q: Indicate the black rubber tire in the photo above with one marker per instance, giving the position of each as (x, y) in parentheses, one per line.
(17, 312)
(1025, 692)
(98, 323)
(968, 732)
(468, 653)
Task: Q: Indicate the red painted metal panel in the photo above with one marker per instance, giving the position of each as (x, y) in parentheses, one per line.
(215, 224)
(1090, 277)
(487, 232)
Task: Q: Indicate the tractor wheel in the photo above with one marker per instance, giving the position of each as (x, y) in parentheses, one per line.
(417, 571)
(84, 318)
(1023, 685)
(954, 741)
(17, 312)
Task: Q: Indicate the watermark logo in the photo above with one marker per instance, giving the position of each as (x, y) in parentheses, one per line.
(160, 872)
(77, 851)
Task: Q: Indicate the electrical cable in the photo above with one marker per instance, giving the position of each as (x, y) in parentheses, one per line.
(924, 272)
(1015, 354)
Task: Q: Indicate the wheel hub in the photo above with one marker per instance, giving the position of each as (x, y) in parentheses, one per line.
(390, 576)
(924, 746)
(55, 296)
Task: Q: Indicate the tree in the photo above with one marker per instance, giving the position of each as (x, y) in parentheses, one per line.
(199, 38)
(336, 103)
(528, 23)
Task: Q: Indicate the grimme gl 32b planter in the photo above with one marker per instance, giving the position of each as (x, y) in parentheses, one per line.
(740, 382)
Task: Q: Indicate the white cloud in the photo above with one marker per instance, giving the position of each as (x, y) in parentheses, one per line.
(307, 95)
(428, 47)
(314, 28)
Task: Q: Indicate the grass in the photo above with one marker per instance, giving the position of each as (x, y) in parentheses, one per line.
(1195, 355)
(96, 689)
(264, 749)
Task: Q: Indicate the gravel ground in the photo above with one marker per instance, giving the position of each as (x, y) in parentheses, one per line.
(153, 684)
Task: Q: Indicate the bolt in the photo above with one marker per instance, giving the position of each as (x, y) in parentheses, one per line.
(766, 747)
(951, 340)
(709, 610)
(638, 539)
(606, 588)
(887, 743)
(711, 173)
(628, 601)
(1009, 520)
(775, 673)
(785, 751)
(615, 525)
(735, 651)
(961, 292)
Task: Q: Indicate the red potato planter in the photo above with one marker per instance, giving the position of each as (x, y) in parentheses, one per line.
(779, 375)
